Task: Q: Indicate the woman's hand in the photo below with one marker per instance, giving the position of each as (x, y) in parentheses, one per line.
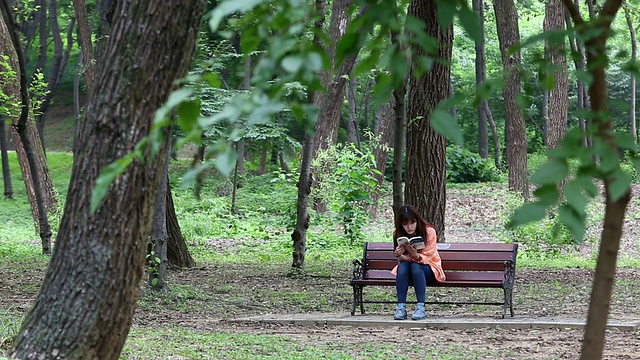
(400, 249)
(413, 253)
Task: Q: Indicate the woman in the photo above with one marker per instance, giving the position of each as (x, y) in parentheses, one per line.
(422, 266)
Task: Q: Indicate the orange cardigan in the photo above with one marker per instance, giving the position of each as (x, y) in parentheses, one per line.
(429, 255)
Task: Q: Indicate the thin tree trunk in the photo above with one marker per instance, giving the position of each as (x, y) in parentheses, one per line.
(481, 77)
(634, 57)
(159, 237)
(6, 171)
(577, 50)
(305, 181)
(496, 138)
(32, 161)
(86, 45)
(600, 302)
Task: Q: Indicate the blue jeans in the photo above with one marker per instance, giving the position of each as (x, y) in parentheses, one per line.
(419, 274)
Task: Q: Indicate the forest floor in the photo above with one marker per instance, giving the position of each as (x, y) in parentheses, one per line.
(206, 297)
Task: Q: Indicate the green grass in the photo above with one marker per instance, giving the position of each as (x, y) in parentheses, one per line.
(209, 343)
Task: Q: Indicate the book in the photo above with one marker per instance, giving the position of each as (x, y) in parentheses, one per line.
(417, 241)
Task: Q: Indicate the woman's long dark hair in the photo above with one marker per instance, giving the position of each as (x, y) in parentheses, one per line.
(406, 215)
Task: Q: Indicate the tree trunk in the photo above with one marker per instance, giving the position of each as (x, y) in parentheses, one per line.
(399, 143)
(177, 251)
(33, 165)
(305, 181)
(6, 171)
(579, 62)
(88, 297)
(385, 117)
(86, 46)
(594, 336)
(426, 149)
(353, 135)
(509, 36)
(634, 57)
(481, 77)
(559, 94)
(330, 102)
(159, 237)
(58, 64)
(495, 136)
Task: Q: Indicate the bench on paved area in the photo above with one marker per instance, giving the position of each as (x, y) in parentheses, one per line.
(466, 265)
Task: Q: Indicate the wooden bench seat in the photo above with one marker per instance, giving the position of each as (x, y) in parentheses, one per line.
(466, 265)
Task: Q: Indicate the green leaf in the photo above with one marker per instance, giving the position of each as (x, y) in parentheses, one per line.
(175, 98)
(470, 22)
(547, 194)
(444, 123)
(527, 213)
(573, 222)
(226, 160)
(292, 64)
(550, 172)
(619, 186)
(446, 12)
(106, 177)
(575, 196)
(227, 8)
(346, 46)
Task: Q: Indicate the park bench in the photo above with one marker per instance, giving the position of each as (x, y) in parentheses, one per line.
(466, 265)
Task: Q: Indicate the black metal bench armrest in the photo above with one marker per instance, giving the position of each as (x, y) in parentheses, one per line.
(358, 269)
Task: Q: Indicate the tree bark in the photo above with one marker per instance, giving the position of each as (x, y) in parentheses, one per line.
(6, 171)
(86, 46)
(89, 293)
(177, 251)
(509, 36)
(159, 236)
(632, 85)
(30, 156)
(559, 95)
(577, 49)
(481, 77)
(305, 181)
(330, 102)
(600, 302)
(426, 149)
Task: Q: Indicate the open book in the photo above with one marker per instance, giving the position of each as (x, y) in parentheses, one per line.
(417, 242)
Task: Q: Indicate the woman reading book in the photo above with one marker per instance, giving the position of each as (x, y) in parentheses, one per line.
(418, 264)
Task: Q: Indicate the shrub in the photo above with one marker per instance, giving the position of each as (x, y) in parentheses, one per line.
(464, 166)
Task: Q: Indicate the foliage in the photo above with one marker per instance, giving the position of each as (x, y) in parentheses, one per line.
(463, 166)
(346, 180)
(9, 105)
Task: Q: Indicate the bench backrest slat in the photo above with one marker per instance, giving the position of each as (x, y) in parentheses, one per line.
(461, 261)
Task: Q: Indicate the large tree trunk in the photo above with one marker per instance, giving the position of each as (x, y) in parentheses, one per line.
(88, 297)
(509, 36)
(558, 96)
(426, 149)
(481, 77)
(594, 336)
